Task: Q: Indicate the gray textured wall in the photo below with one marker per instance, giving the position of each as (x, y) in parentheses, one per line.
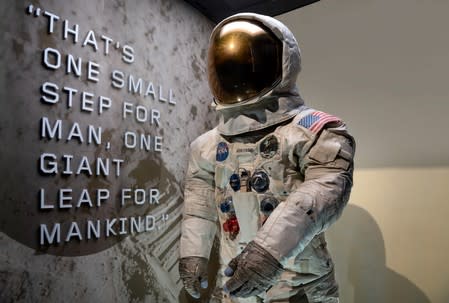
(166, 45)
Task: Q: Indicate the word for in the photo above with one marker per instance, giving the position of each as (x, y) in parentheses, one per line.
(141, 113)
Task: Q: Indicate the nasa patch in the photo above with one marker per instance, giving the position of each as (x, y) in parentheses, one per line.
(222, 151)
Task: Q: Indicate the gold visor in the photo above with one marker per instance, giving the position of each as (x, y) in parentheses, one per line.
(244, 61)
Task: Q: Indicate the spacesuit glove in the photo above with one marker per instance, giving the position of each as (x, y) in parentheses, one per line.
(252, 272)
(193, 273)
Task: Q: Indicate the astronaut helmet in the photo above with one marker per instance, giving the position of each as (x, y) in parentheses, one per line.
(247, 57)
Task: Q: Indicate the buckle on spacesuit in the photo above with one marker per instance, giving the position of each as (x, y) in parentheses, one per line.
(227, 206)
(259, 181)
(240, 182)
(268, 204)
(231, 225)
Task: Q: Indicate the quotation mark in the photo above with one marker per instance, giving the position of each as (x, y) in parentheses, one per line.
(31, 9)
(164, 218)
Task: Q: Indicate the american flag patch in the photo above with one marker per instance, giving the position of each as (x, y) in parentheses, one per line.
(316, 120)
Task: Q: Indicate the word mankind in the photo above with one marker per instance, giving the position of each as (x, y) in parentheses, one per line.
(93, 229)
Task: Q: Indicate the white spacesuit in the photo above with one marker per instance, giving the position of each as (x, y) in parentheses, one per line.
(272, 176)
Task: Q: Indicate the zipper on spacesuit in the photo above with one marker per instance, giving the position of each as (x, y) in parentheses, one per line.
(244, 181)
(239, 182)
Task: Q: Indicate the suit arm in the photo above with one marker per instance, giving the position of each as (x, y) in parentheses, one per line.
(318, 202)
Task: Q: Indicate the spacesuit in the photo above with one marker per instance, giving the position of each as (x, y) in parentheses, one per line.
(270, 178)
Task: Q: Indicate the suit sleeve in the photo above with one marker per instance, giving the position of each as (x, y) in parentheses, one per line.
(200, 215)
(313, 206)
